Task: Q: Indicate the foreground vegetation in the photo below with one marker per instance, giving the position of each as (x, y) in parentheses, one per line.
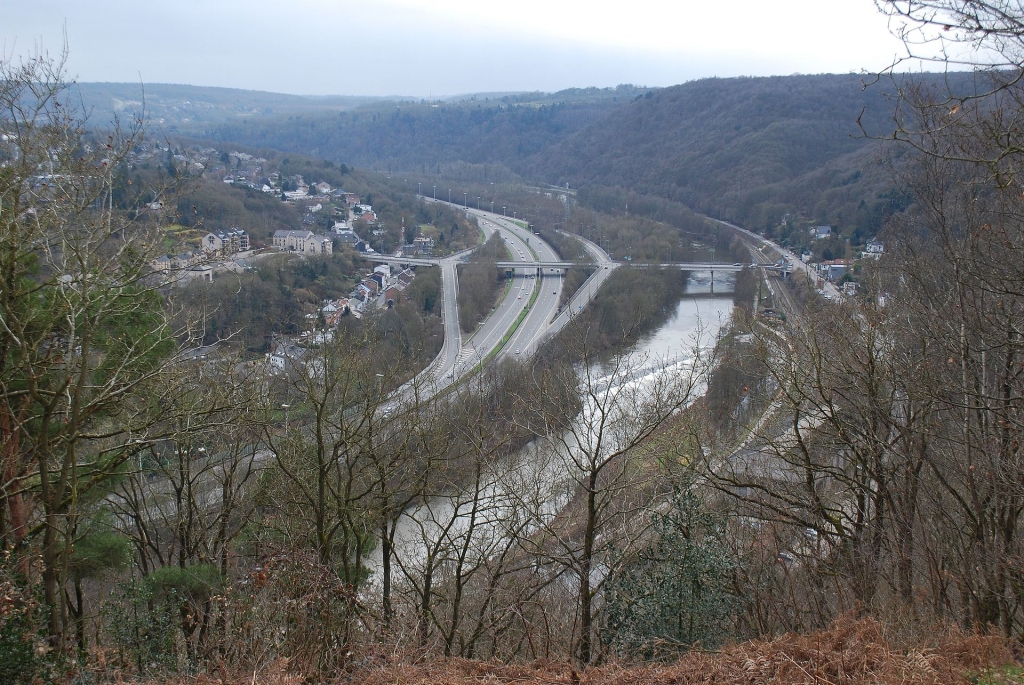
(848, 479)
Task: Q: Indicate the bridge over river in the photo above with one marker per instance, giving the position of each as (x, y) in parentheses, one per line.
(684, 266)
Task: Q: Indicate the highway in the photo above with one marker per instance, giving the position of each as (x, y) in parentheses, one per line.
(549, 282)
(524, 281)
(603, 267)
(544, 318)
(460, 356)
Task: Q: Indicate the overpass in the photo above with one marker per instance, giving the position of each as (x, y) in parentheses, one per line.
(683, 266)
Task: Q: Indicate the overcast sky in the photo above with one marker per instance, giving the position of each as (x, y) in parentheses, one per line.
(447, 47)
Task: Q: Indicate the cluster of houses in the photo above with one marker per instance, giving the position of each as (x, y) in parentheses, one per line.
(421, 245)
(222, 249)
(229, 244)
(184, 260)
(834, 269)
(381, 288)
(193, 162)
(247, 172)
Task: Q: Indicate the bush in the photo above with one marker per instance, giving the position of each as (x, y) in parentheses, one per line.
(672, 594)
(22, 621)
(142, 629)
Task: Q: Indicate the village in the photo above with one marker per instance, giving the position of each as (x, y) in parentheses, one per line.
(330, 219)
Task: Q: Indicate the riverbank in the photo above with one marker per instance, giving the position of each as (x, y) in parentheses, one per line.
(695, 318)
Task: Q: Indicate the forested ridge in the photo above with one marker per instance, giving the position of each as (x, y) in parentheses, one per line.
(744, 149)
(734, 148)
(421, 137)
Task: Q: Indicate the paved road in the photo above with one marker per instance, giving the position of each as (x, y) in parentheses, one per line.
(450, 313)
(460, 355)
(603, 267)
(549, 282)
(525, 280)
(830, 289)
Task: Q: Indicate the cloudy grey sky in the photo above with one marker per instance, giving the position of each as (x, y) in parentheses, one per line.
(446, 47)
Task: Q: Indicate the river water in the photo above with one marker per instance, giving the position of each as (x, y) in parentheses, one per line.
(702, 312)
(534, 478)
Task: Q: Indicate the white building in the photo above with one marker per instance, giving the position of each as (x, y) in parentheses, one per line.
(874, 249)
(226, 242)
(304, 242)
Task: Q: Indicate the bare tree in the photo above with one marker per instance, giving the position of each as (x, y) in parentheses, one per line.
(187, 495)
(85, 342)
(599, 483)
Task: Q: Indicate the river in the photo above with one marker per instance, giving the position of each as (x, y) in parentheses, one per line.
(533, 478)
(699, 311)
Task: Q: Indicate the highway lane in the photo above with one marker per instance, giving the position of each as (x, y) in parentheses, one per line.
(548, 282)
(491, 332)
(438, 374)
(450, 313)
(603, 267)
(461, 355)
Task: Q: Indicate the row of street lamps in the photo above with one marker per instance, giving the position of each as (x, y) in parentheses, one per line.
(465, 198)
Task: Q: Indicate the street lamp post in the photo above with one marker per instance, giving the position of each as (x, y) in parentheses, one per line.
(492, 206)
(435, 192)
(478, 203)
(449, 196)
(285, 407)
(418, 184)
(465, 202)
(503, 211)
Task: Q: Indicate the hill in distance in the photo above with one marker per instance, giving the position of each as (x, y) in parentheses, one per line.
(750, 150)
(747, 149)
(173, 105)
(188, 106)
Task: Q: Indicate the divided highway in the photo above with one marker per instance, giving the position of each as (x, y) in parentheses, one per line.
(460, 356)
(514, 328)
(548, 282)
